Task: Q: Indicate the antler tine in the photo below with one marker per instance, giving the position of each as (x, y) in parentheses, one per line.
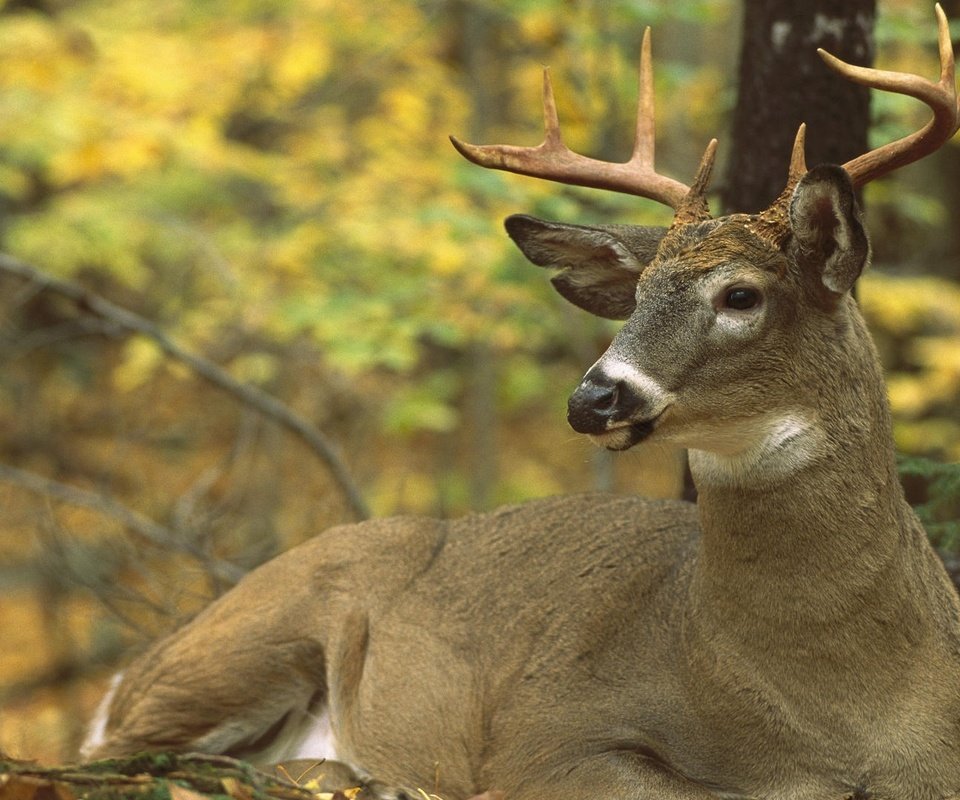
(940, 96)
(772, 224)
(798, 156)
(694, 207)
(553, 160)
(643, 143)
(551, 120)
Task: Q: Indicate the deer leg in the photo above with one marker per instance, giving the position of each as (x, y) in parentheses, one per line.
(244, 678)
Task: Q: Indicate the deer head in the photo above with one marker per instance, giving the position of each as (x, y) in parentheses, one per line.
(734, 314)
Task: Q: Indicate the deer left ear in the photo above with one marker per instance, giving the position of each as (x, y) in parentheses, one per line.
(826, 223)
(597, 265)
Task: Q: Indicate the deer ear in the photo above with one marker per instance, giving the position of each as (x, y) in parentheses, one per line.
(598, 266)
(826, 222)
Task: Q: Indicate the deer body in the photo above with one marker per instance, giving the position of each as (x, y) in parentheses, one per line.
(585, 633)
(801, 648)
(791, 636)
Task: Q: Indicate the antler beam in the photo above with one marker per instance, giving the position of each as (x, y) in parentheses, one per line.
(553, 160)
(940, 96)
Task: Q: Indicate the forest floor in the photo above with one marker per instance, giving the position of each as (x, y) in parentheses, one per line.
(163, 777)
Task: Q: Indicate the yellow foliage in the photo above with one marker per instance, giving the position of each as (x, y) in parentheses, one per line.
(540, 25)
(903, 305)
(448, 257)
(304, 59)
(141, 358)
(43, 55)
(919, 317)
(256, 368)
(411, 490)
(939, 352)
(922, 436)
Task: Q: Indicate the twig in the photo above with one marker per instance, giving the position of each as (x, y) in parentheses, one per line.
(266, 404)
(63, 562)
(153, 774)
(143, 526)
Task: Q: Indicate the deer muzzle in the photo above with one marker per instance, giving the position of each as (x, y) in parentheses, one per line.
(616, 405)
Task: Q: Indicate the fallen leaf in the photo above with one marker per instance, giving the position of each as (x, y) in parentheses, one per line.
(178, 792)
(236, 789)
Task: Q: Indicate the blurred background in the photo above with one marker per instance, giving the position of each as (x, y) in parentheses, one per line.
(267, 186)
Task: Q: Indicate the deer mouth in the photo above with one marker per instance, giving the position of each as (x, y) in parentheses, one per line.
(625, 435)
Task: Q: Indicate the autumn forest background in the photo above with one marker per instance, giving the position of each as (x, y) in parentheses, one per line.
(249, 290)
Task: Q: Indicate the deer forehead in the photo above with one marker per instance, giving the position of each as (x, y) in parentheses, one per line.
(700, 248)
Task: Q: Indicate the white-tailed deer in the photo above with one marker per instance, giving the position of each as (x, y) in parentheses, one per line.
(792, 635)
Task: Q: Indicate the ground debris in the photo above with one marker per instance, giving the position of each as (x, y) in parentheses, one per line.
(154, 776)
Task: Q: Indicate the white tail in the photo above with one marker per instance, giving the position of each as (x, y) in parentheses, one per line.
(792, 635)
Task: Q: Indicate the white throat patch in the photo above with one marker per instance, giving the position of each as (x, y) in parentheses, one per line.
(772, 448)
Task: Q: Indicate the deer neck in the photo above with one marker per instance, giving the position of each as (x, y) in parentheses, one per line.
(797, 523)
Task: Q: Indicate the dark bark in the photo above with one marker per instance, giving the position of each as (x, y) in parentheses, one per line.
(783, 82)
(946, 259)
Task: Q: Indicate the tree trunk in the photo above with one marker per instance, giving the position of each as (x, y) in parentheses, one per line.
(783, 82)
(945, 258)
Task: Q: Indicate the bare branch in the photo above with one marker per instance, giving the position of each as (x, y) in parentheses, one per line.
(265, 403)
(142, 526)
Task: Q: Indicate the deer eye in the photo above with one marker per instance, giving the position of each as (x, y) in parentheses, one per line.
(741, 298)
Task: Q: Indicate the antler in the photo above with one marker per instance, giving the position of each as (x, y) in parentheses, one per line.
(940, 96)
(553, 160)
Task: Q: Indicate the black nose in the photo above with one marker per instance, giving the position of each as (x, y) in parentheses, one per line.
(598, 401)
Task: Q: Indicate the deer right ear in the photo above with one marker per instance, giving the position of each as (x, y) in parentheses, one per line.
(598, 266)
(826, 222)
